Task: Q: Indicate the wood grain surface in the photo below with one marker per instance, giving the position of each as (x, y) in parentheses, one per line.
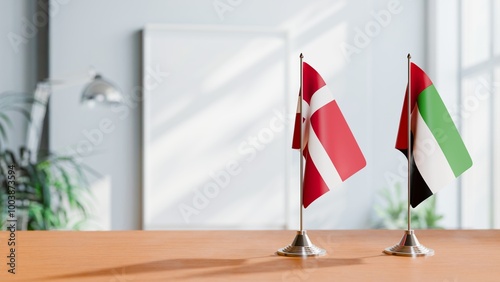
(353, 255)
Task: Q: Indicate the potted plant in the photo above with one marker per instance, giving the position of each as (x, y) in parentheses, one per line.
(51, 192)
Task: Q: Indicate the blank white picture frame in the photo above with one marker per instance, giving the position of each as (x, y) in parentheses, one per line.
(216, 130)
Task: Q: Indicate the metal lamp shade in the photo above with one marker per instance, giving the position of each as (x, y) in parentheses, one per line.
(102, 91)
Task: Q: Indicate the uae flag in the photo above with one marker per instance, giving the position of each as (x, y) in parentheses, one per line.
(438, 152)
(330, 151)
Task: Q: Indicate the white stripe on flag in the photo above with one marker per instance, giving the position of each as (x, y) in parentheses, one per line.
(320, 98)
(306, 124)
(322, 161)
(429, 158)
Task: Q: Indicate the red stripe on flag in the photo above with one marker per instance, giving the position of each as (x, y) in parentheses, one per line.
(314, 186)
(337, 139)
(419, 81)
(296, 132)
(312, 82)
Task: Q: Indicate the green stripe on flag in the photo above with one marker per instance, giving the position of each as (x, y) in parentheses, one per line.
(441, 125)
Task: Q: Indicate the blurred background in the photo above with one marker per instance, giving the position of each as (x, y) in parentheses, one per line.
(193, 127)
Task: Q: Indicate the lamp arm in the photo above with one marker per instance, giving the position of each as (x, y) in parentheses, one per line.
(38, 111)
(57, 83)
(98, 87)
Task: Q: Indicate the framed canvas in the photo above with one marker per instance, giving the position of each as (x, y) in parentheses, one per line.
(216, 128)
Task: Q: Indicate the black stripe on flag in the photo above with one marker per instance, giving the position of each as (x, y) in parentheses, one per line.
(419, 191)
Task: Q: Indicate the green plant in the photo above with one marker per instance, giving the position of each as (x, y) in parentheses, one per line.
(393, 213)
(51, 192)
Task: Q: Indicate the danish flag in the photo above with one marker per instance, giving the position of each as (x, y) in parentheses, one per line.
(330, 150)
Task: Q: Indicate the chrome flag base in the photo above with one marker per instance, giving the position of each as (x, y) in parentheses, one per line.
(409, 247)
(301, 247)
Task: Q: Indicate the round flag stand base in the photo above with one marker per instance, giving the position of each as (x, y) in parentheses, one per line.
(301, 247)
(409, 247)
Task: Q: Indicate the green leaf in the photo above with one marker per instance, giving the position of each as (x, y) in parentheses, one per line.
(2, 133)
(6, 119)
(36, 217)
(56, 186)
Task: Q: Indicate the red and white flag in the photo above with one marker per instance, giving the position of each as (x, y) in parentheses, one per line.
(330, 150)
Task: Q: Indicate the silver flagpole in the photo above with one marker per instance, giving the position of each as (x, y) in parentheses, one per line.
(409, 245)
(409, 138)
(301, 245)
(301, 206)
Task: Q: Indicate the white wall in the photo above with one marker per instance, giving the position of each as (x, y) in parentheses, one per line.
(17, 57)
(369, 86)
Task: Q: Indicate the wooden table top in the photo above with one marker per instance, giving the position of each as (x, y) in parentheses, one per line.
(354, 255)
